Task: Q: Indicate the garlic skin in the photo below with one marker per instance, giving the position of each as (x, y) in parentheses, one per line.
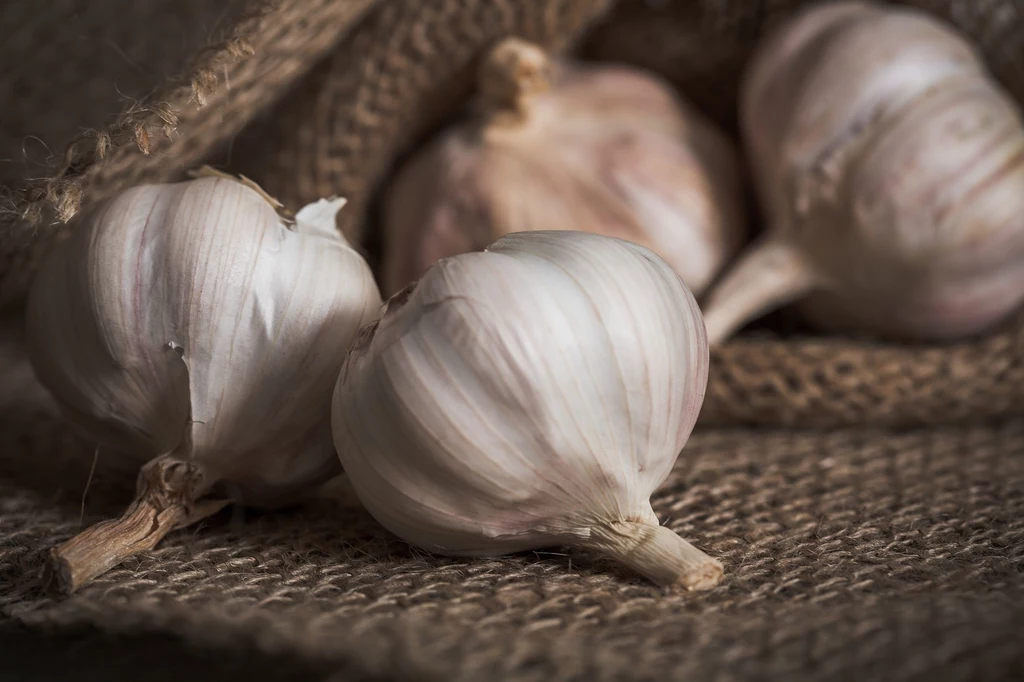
(555, 143)
(891, 168)
(532, 395)
(187, 324)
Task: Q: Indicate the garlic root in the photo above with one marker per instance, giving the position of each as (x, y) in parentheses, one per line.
(657, 553)
(768, 276)
(165, 501)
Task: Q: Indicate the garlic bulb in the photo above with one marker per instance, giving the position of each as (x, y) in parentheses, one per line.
(531, 395)
(187, 326)
(604, 149)
(891, 168)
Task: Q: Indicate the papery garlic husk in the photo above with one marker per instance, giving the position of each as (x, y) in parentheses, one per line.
(891, 168)
(192, 328)
(535, 394)
(557, 144)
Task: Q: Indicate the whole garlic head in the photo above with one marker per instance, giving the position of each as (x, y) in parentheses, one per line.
(561, 145)
(189, 325)
(531, 395)
(891, 168)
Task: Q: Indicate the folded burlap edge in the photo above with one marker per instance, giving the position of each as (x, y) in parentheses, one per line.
(230, 82)
(788, 382)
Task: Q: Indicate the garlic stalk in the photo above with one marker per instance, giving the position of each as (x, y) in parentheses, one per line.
(189, 327)
(535, 394)
(891, 168)
(600, 148)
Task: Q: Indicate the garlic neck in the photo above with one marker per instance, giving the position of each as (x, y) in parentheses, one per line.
(769, 275)
(509, 78)
(657, 553)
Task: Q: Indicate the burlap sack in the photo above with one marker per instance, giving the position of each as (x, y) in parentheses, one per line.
(857, 553)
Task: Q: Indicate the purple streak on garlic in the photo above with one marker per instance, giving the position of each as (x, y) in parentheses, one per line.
(556, 144)
(535, 394)
(891, 168)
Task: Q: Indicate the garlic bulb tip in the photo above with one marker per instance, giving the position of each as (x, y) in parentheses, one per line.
(321, 216)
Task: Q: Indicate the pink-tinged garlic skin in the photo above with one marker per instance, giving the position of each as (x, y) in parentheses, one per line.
(892, 165)
(604, 149)
(820, 83)
(534, 394)
(180, 319)
(935, 205)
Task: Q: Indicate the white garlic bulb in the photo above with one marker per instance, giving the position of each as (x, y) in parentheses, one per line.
(560, 144)
(188, 326)
(891, 168)
(531, 395)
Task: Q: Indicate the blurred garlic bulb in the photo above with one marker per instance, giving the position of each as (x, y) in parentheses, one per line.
(891, 168)
(561, 145)
(188, 326)
(535, 394)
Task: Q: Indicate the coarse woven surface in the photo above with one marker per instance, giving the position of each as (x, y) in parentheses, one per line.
(162, 136)
(856, 553)
(93, 60)
(828, 382)
(849, 554)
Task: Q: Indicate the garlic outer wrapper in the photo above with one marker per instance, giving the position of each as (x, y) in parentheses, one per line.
(186, 325)
(535, 394)
(556, 144)
(891, 168)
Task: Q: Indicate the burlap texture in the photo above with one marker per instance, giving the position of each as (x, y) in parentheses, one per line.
(93, 59)
(853, 554)
(857, 553)
(157, 139)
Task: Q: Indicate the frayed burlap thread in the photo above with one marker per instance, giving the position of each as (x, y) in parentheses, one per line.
(277, 42)
(72, 65)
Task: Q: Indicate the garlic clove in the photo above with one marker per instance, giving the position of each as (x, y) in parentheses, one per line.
(192, 328)
(531, 395)
(605, 149)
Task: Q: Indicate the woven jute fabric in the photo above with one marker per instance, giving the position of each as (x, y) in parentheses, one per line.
(90, 59)
(851, 554)
(271, 46)
(889, 546)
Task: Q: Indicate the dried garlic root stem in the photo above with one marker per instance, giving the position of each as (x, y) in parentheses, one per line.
(657, 553)
(165, 501)
(768, 276)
